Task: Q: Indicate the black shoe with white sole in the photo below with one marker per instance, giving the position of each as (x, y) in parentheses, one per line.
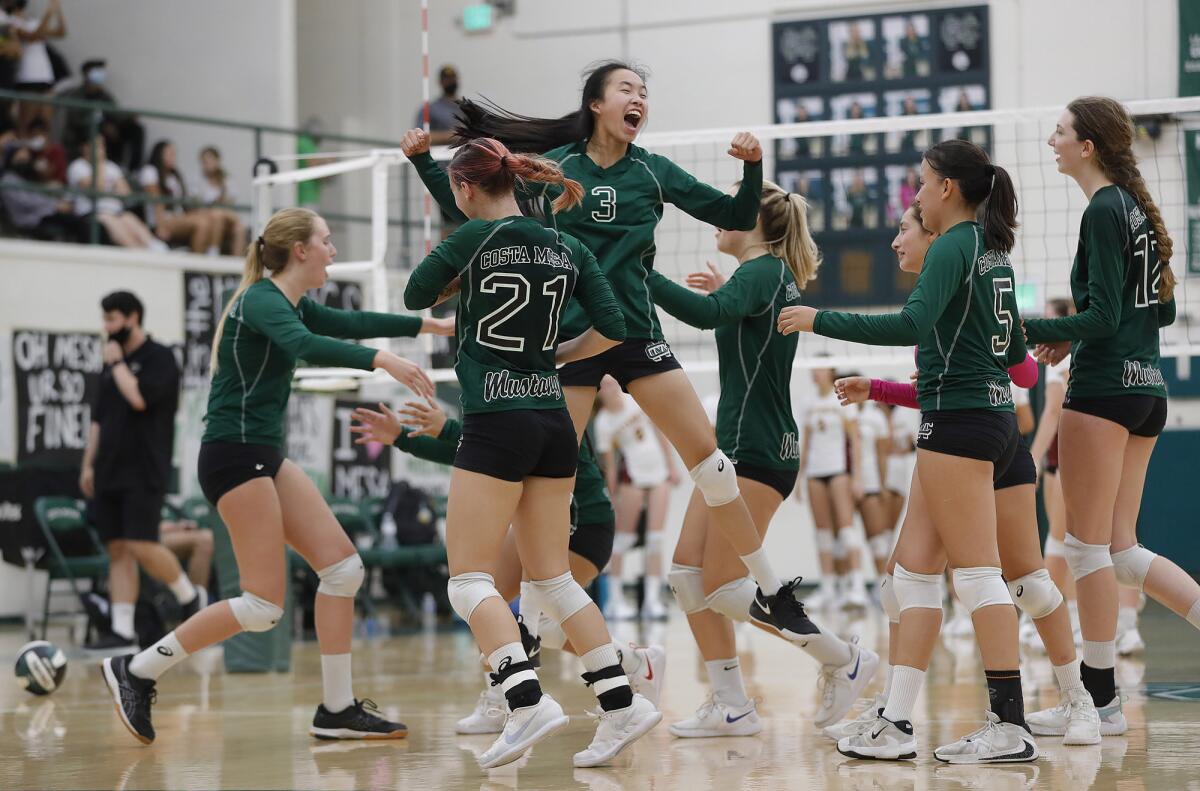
(359, 721)
(783, 611)
(133, 697)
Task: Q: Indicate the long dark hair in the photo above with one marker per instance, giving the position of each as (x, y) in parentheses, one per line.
(156, 161)
(529, 135)
(985, 187)
(1107, 124)
(495, 169)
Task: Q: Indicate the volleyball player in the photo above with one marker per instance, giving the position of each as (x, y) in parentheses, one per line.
(646, 461)
(1116, 401)
(963, 316)
(517, 458)
(1017, 532)
(625, 189)
(832, 476)
(757, 431)
(874, 442)
(265, 499)
(429, 434)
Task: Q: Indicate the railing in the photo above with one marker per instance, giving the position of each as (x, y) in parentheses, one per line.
(99, 109)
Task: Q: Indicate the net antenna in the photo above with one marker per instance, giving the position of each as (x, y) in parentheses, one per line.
(1051, 206)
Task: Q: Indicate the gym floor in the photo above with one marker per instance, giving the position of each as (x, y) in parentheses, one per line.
(250, 731)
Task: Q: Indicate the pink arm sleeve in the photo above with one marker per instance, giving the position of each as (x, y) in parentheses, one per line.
(894, 393)
(1025, 373)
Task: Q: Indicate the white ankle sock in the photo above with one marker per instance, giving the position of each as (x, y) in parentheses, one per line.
(158, 658)
(122, 620)
(760, 568)
(653, 590)
(183, 589)
(887, 685)
(825, 646)
(336, 682)
(906, 685)
(1100, 654)
(1068, 676)
(725, 676)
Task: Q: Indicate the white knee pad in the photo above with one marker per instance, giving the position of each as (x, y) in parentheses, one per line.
(716, 479)
(551, 634)
(254, 613)
(623, 542)
(887, 597)
(343, 578)
(685, 584)
(1131, 565)
(924, 591)
(825, 542)
(1036, 594)
(733, 599)
(850, 538)
(1084, 559)
(468, 591)
(981, 586)
(881, 545)
(654, 542)
(840, 550)
(1054, 548)
(561, 597)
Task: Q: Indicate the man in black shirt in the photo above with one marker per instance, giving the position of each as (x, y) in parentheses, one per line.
(127, 463)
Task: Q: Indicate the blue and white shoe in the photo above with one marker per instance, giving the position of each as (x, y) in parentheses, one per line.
(524, 728)
(717, 718)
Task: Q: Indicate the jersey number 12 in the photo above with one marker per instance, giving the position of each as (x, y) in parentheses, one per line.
(488, 333)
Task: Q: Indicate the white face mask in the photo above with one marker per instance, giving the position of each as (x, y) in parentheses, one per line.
(37, 143)
(97, 76)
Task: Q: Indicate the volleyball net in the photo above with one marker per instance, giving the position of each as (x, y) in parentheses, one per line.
(858, 177)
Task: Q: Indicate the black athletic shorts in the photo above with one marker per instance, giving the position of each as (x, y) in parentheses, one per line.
(973, 434)
(782, 481)
(1020, 470)
(625, 362)
(594, 542)
(224, 466)
(132, 514)
(1140, 415)
(519, 444)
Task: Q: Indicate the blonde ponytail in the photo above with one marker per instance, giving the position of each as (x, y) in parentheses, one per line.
(784, 218)
(267, 253)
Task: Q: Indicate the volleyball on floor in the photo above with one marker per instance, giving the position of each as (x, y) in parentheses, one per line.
(41, 667)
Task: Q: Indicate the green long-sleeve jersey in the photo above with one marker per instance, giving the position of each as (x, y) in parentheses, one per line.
(1114, 283)
(263, 337)
(754, 416)
(592, 503)
(515, 276)
(621, 209)
(962, 316)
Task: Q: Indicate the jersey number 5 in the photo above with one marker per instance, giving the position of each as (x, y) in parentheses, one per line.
(1002, 285)
(608, 204)
(487, 332)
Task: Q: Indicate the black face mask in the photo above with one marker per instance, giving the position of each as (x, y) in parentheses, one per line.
(450, 88)
(121, 335)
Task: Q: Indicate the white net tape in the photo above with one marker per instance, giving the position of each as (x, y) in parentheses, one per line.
(1050, 209)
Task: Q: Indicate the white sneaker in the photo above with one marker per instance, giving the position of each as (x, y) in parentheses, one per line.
(489, 714)
(864, 720)
(1083, 721)
(717, 718)
(1053, 722)
(618, 608)
(1130, 642)
(1029, 636)
(855, 595)
(524, 728)
(617, 730)
(841, 686)
(883, 741)
(996, 742)
(823, 598)
(653, 610)
(647, 680)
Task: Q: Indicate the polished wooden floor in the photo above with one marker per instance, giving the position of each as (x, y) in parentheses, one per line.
(250, 731)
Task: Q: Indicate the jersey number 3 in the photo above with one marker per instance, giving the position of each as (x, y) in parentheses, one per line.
(488, 333)
(1001, 286)
(608, 204)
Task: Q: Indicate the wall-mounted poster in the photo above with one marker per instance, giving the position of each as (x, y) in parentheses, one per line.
(897, 65)
(56, 376)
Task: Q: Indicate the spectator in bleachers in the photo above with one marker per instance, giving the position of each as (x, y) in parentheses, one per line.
(10, 60)
(49, 156)
(35, 72)
(216, 192)
(124, 134)
(191, 544)
(123, 228)
(172, 222)
(35, 214)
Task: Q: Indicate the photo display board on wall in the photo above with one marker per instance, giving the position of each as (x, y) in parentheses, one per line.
(866, 66)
